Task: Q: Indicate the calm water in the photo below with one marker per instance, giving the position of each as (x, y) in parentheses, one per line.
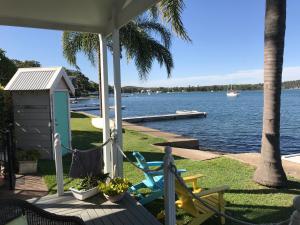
(232, 124)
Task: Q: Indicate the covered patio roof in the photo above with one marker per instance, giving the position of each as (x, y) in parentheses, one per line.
(94, 16)
(103, 17)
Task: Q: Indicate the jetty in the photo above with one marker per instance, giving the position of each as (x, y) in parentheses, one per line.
(175, 116)
(89, 107)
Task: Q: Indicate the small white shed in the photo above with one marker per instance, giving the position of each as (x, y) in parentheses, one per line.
(41, 108)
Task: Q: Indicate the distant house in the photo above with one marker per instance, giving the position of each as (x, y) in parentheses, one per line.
(41, 108)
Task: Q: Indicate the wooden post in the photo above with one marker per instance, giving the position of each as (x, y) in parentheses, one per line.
(58, 165)
(295, 218)
(105, 105)
(169, 188)
(117, 157)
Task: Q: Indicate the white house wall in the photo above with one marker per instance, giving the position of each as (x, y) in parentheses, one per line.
(32, 121)
(62, 85)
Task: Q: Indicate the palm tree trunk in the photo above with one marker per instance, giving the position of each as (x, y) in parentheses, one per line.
(270, 171)
(100, 81)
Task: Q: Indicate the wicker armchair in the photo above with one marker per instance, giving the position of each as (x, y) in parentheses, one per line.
(12, 208)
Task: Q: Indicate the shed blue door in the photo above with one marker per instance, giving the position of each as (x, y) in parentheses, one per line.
(62, 120)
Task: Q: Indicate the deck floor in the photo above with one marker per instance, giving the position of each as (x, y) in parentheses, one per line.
(98, 212)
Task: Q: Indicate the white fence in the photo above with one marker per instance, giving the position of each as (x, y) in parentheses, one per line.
(169, 187)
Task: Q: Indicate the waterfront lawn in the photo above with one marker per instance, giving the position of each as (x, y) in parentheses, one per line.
(245, 200)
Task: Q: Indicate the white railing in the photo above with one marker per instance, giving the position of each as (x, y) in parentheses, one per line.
(58, 165)
(169, 196)
(169, 185)
(169, 188)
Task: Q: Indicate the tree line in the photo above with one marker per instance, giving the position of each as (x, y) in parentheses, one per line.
(295, 84)
(8, 67)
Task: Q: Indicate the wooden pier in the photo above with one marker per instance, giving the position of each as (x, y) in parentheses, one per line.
(90, 107)
(175, 116)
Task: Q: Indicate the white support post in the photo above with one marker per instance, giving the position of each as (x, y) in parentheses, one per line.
(169, 188)
(117, 156)
(295, 218)
(58, 165)
(105, 105)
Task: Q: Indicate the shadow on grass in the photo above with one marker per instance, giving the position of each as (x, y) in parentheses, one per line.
(248, 213)
(292, 188)
(258, 213)
(79, 115)
(150, 156)
(86, 139)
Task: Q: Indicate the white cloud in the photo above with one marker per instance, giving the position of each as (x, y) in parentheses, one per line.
(238, 77)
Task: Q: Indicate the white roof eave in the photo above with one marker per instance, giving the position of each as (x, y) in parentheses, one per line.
(94, 16)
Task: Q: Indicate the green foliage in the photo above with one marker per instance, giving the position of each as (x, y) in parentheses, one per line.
(141, 47)
(26, 63)
(137, 39)
(27, 155)
(171, 11)
(82, 83)
(115, 186)
(6, 111)
(90, 182)
(7, 68)
(295, 84)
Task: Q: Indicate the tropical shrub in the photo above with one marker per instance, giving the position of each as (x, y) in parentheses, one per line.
(115, 186)
(90, 182)
(28, 155)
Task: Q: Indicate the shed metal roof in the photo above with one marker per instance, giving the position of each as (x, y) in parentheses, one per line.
(30, 79)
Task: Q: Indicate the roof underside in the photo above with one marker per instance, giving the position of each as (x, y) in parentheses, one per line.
(93, 16)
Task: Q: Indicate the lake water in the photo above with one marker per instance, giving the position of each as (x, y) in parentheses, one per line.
(232, 124)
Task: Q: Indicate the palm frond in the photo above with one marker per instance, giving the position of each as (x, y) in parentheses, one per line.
(171, 11)
(158, 29)
(75, 42)
(143, 49)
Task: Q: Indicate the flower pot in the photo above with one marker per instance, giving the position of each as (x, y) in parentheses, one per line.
(84, 194)
(115, 198)
(27, 167)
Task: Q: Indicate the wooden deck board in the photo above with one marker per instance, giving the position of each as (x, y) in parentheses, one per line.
(97, 212)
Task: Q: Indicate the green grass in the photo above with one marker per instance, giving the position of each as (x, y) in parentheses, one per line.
(245, 199)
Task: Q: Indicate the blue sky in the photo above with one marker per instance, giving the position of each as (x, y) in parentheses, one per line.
(227, 46)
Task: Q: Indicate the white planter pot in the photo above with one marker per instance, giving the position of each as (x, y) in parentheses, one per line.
(84, 194)
(115, 198)
(27, 167)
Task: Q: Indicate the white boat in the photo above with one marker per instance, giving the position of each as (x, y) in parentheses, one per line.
(113, 107)
(186, 111)
(232, 93)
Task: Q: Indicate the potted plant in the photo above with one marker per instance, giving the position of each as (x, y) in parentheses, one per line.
(27, 160)
(114, 189)
(87, 187)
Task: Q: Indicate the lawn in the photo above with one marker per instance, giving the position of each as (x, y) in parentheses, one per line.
(245, 199)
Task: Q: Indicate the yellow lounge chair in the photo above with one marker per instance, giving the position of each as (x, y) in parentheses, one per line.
(213, 197)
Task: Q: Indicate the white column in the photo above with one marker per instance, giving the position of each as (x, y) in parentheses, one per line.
(58, 165)
(105, 105)
(169, 188)
(117, 156)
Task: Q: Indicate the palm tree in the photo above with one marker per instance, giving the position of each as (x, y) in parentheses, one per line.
(270, 171)
(136, 39)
